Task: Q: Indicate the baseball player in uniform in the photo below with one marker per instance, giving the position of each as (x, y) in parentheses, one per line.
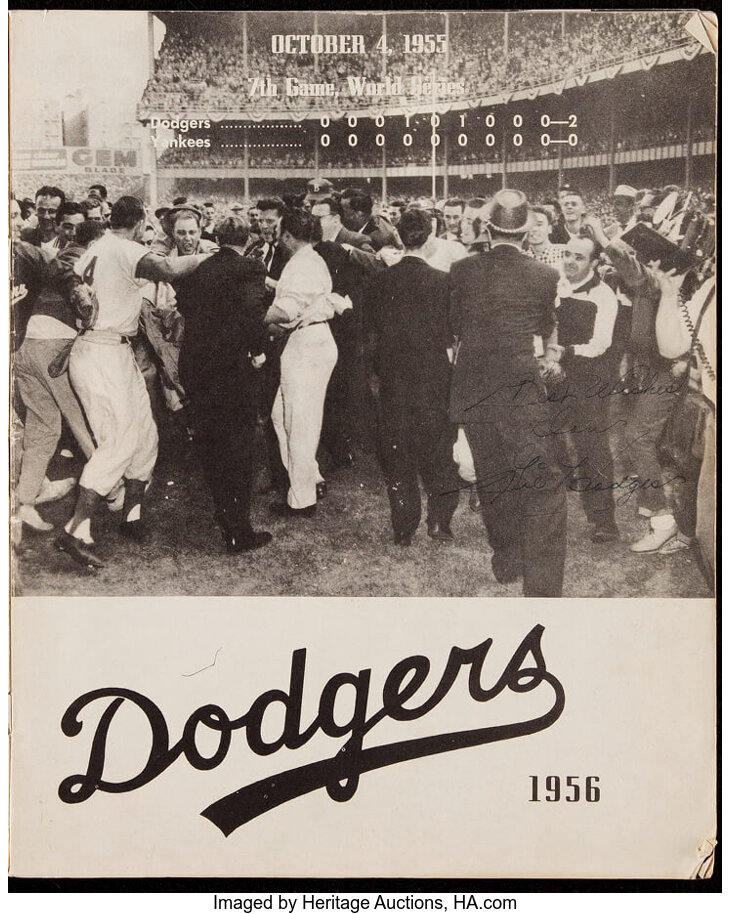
(106, 378)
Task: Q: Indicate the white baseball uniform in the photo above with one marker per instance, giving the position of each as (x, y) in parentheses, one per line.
(307, 363)
(103, 370)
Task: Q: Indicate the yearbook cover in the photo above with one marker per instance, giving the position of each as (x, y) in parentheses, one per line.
(362, 472)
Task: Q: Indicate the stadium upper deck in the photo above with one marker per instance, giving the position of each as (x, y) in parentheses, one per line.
(207, 61)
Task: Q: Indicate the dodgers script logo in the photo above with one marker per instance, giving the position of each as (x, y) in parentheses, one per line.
(339, 775)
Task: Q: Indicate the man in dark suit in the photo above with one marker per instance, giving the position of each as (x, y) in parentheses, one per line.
(358, 216)
(502, 311)
(274, 256)
(342, 406)
(223, 346)
(354, 239)
(329, 213)
(349, 393)
(409, 305)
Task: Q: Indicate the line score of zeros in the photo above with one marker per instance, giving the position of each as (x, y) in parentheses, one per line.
(435, 123)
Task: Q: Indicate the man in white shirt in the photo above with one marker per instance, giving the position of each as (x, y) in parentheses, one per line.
(687, 332)
(302, 306)
(160, 322)
(574, 210)
(538, 244)
(69, 216)
(103, 372)
(623, 204)
(587, 311)
(442, 252)
(453, 210)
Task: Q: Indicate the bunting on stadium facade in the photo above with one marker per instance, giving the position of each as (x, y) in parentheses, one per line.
(685, 52)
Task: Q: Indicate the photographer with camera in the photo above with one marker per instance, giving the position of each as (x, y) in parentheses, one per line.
(650, 384)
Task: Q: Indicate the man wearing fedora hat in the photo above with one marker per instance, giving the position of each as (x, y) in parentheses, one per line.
(502, 310)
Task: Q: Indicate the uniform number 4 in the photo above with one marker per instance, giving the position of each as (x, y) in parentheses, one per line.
(88, 276)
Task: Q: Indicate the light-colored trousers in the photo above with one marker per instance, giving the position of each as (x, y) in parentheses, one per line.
(46, 400)
(307, 363)
(112, 391)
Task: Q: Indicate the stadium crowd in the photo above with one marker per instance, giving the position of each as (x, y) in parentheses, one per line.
(483, 343)
(209, 72)
(25, 185)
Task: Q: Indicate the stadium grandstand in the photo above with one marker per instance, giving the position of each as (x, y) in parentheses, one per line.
(529, 99)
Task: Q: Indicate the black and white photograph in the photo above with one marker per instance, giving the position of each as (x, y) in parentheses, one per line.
(349, 349)
(386, 420)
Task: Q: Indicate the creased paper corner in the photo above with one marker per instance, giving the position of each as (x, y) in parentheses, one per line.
(706, 855)
(703, 26)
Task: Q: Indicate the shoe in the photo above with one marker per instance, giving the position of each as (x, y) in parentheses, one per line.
(321, 490)
(662, 529)
(439, 532)
(31, 518)
(53, 491)
(505, 569)
(676, 544)
(133, 530)
(238, 544)
(79, 551)
(284, 510)
(604, 533)
(115, 499)
(402, 539)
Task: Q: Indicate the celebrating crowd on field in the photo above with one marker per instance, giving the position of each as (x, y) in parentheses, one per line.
(531, 351)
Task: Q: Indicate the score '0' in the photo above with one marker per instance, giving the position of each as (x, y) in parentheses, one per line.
(462, 138)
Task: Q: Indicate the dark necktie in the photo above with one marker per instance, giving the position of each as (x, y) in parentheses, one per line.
(269, 257)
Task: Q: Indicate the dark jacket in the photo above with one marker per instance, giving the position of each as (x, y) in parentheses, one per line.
(222, 303)
(408, 303)
(273, 269)
(636, 281)
(380, 233)
(31, 236)
(355, 239)
(53, 298)
(347, 279)
(279, 257)
(498, 302)
(30, 270)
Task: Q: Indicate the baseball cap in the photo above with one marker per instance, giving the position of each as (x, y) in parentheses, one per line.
(319, 187)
